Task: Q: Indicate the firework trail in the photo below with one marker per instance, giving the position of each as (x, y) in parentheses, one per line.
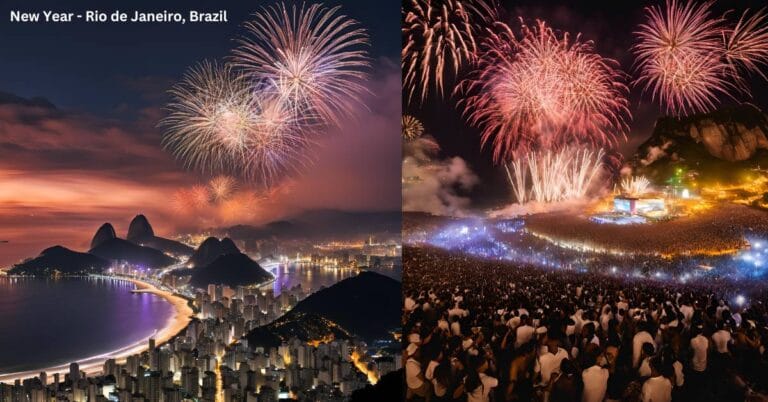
(218, 123)
(554, 176)
(544, 91)
(411, 128)
(313, 56)
(634, 186)
(439, 39)
(688, 57)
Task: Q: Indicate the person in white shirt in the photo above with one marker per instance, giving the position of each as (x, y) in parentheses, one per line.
(722, 338)
(645, 366)
(523, 333)
(656, 388)
(605, 318)
(687, 311)
(477, 384)
(622, 304)
(433, 375)
(549, 363)
(514, 320)
(595, 381)
(455, 326)
(457, 311)
(441, 380)
(409, 304)
(700, 347)
(641, 337)
(414, 378)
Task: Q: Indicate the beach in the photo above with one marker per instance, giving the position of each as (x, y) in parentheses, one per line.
(93, 365)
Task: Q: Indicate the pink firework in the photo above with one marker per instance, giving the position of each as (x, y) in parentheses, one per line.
(439, 38)
(689, 58)
(679, 51)
(746, 47)
(544, 91)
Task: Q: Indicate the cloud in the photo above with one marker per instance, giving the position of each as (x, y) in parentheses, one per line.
(64, 173)
(653, 153)
(433, 185)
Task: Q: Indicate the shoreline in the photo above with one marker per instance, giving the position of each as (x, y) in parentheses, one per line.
(93, 365)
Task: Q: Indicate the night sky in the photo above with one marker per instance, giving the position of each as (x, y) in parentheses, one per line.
(96, 156)
(609, 24)
(107, 68)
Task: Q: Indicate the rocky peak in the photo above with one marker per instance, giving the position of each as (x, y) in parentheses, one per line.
(731, 134)
(210, 249)
(106, 232)
(140, 229)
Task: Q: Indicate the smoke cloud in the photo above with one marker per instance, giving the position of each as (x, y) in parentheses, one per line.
(435, 185)
(655, 152)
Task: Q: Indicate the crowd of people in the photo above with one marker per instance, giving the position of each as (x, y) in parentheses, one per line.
(718, 229)
(478, 330)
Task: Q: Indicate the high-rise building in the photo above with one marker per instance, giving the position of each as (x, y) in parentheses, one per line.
(74, 372)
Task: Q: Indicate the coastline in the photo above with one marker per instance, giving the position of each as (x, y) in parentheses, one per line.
(93, 365)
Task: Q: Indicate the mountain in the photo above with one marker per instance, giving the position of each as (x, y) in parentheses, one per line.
(211, 249)
(117, 249)
(321, 223)
(60, 259)
(232, 269)
(719, 146)
(140, 232)
(103, 234)
(367, 306)
(139, 229)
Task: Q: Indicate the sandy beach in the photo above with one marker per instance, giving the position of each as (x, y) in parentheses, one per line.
(93, 365)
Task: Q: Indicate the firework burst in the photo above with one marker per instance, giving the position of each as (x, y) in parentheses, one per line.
(688, 57)
(313, 56)
(222, 188)
(218, 123)
(439, 38)
(411, 128)
(193, 199)
(678, 57)
(544, 90)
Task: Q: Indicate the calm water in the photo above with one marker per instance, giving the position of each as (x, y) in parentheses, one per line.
(45, 322)
(308, 276)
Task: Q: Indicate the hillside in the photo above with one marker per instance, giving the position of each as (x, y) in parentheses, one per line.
(719, 146)
(230, 269)
(62, 259)
(211, 249)
(140, 232)
(367, 306)
(117, 249)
